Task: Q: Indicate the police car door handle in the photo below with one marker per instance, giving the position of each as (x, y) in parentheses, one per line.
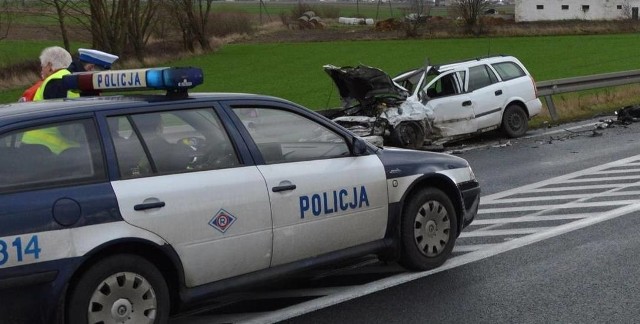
(498, 92)
(466, 103)
(283, 188)
(145, 206)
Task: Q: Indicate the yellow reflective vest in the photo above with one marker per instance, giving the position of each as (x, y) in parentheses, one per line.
(57, 75)
(50, 137)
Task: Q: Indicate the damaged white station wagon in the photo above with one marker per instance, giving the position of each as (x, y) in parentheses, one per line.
(436, 104)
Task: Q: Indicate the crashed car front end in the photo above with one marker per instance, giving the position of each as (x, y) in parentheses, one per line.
(378, 109)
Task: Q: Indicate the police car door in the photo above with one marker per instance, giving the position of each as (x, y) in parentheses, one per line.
(323, 198)
(181, 178)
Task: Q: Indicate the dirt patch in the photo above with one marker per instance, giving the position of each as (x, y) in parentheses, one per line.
(276, 32)
(47, 32)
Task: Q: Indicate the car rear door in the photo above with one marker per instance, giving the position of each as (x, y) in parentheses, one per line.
(52, 178)
(488, 95)
(323, 197)
(182, 177)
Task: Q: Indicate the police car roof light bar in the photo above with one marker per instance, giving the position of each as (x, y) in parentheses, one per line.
(174, 80)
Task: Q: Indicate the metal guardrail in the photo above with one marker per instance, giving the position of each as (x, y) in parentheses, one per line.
(551, 87)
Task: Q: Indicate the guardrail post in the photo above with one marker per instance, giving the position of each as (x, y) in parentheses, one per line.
(552, 108)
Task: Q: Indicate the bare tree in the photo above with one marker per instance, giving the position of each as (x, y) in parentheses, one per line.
(6, 18)
(108, 22)
(626, 10)
(61, 14)
(193, 17)
(120, 27)
(417, 16)
(142, 17)
(471, 12)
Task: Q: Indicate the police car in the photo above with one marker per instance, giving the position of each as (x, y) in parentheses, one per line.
(127, 208)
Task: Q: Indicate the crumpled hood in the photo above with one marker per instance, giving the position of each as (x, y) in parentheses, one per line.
(364, 84)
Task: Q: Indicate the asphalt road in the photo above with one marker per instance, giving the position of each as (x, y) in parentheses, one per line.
(586, 274)
(554, 241)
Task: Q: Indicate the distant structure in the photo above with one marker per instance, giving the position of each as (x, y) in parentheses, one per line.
(541, 10)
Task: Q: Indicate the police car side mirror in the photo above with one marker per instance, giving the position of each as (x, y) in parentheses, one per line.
(359, 147)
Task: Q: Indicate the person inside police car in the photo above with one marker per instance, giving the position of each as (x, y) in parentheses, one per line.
(167, 156)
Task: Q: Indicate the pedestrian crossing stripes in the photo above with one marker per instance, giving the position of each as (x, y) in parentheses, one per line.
(579, 195)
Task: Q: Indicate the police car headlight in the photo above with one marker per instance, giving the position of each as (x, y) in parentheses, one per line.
(472, 176)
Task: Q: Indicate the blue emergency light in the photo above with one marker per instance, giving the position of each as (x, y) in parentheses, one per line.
(175, 79)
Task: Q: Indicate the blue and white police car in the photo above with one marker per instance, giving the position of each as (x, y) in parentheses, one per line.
(127, 208)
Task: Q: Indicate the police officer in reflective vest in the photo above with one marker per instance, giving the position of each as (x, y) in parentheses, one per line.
(54, 62)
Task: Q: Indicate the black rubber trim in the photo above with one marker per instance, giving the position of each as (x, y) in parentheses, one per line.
(28, 280)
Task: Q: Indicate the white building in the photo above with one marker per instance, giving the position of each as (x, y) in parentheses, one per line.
(537, 10)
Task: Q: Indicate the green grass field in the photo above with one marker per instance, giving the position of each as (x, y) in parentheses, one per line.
(17, 51)
(294, 71)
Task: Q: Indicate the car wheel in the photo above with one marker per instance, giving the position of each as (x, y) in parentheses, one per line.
(408, 135)
(119, 289)
(428, 230)
(514, 121)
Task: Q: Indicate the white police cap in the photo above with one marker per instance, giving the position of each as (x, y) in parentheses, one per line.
(99, 58)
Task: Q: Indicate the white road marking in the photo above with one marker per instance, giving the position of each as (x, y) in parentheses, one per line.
(473, 247)
(562, 179)
(557, 206)
(611, 194)
(323, 302)
(529, 218)
(509, 232)
(478, 252)
(574, 188)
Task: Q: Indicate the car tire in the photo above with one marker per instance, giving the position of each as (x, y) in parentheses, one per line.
(428, 230)
(122, 288)
(408, 135)
(514, 121)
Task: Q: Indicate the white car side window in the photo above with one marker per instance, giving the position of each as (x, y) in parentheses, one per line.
(480, 76)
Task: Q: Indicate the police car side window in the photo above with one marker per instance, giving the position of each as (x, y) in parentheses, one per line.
(50, 155)
(171, 142)
(283, 136)
(132, 160)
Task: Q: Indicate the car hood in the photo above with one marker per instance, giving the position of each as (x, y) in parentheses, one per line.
(364, 84)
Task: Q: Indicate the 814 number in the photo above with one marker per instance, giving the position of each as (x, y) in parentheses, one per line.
(20, 248)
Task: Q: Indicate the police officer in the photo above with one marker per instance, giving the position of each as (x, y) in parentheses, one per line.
(91, 60)
(54, 62)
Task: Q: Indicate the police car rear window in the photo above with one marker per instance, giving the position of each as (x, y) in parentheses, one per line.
(50, 155)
